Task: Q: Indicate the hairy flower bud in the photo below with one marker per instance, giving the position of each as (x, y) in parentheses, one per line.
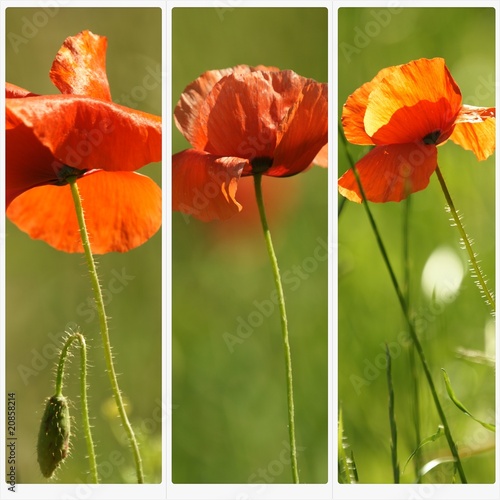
(53, 437)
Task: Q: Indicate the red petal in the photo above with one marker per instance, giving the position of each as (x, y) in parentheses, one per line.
(86, 133)
(15, 92)
(122, 211)
(475, 130)
(188, 108)
(242, 114)
(303, 133)
(28, 163)
(412, 101)
(390, 173)
(204, 185)
(79, 67)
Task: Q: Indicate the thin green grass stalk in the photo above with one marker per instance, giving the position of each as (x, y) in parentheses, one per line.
(413, 334)
(110, 369)
(415, 386)
(284, 326)
(392, 418)
(475, 269)
(83, 394)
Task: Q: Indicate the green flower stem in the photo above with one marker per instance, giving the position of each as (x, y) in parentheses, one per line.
(481, 282)
(104, 329)
(83, 396)
(284, 326)
(413, 333)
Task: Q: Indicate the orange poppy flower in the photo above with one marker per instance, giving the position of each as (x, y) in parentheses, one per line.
(405, 112)
(242, 121)
(82, 133)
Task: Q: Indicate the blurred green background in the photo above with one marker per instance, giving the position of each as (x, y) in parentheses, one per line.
(368, 311)
(229, 418)
(48, 291)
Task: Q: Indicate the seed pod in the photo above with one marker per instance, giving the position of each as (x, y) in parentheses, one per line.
(53, 437)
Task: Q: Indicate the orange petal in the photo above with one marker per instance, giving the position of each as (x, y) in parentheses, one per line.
(390, 173)
(86, 133)
(122, 211)
(398, 107)
(303, 133)
(79, 67)
(187, 111)
(353, 112)
(204, 185)
(475, 130)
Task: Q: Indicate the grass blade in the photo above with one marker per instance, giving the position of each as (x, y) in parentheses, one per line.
(460, 406)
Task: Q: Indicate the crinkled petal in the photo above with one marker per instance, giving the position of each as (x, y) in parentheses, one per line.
(399, 105)
(122, 211)
(303, 133)
(242, 114)
(79, 67)
(475, 130)
(390, 173)
(353, 112)
(14, 92)
(87, 133)
(188, 108)
(204, 185)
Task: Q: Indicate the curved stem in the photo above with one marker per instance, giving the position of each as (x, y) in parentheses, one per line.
(104, 329)
(83, 394)
(284, 326)
(481, 282)
(413, 333)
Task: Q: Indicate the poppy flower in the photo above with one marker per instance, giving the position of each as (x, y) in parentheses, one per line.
(406, 112)
(81, 133)
(241, 121)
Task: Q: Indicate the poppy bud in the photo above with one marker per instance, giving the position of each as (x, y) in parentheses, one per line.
(53, 437)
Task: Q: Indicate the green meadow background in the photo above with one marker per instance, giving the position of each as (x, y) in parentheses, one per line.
(47, 291)
(368, 312)
(229, 397)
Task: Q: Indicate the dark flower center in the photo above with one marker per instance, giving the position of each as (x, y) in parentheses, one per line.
(432, 138)
(65, 172)
(261, 164)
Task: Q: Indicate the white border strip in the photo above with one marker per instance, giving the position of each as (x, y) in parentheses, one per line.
(49, 491)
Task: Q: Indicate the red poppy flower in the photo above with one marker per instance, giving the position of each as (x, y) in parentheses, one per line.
(405, 112)
(82, 133)
(242, 121)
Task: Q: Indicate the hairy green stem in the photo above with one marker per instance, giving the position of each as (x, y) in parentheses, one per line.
(284, 326)
(104, 329)
(481, 282)
(83, 394)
